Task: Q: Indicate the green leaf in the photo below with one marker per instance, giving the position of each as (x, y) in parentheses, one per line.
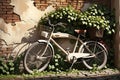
(12, 69)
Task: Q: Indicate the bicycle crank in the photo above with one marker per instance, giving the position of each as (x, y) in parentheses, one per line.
(71, 56)
(73, 62)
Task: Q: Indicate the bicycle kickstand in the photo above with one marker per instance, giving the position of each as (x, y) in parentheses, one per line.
(73, 62)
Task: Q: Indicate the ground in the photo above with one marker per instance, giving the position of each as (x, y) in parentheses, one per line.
(106, 74)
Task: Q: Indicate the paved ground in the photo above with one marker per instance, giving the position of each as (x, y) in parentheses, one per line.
(110, 77)
(108, 74)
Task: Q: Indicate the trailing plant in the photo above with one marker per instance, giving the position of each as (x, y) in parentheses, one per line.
(10, 65)
(58, 63)
(6, 66)
(98, 16)
(66, 15)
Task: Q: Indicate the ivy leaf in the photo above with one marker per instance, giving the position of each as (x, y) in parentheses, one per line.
(90, 24)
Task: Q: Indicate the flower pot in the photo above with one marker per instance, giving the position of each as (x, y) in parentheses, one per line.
(95, 33)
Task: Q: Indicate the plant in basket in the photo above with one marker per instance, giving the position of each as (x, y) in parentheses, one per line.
(98, 17)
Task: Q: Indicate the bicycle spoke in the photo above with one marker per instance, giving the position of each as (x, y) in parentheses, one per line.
(38, 64)
(43, 58)
(34, 60)
(31, 58)
(94, 48)
(99, 60)
(99, 52)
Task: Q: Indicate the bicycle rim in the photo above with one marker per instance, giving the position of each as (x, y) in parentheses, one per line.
(100, 59)
(31, 63)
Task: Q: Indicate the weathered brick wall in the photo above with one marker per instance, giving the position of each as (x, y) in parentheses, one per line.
(5, 50)
(77, 4)
(6, 12)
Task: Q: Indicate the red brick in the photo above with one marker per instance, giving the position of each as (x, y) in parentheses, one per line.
(10, 7)
(9, 18)
(10, 15)
(5, 0)
(0, 4)
(15, 17)
(6, 3)
(2, 7)
(3, 12)
(9, 48)
(36, 0)
(3, 49)
(5, 9)
(15, 20)
(2, 0)
(43, 2)
(10, 12)
(7, 52)
(8, 21)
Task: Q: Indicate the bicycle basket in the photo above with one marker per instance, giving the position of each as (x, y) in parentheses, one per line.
(45, 31)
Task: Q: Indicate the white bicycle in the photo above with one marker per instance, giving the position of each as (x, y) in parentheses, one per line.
(40, 53)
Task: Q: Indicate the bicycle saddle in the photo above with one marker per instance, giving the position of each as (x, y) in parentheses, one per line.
(79, 31)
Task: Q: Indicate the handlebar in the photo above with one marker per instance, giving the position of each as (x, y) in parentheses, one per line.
(58, 24)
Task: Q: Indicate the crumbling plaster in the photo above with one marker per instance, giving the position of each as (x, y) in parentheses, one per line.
(29, 16)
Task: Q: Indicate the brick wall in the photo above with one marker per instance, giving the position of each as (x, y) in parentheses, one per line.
(77, 4)
(6, 12)
(5, 49)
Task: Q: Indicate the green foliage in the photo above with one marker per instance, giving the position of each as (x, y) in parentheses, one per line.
(66, 15)
(10, 65)
(98, 16)
(6, 66)
(58, 63)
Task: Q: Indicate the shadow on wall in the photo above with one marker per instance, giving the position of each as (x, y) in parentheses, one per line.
(29, 16)
(33, 36)
(17, 34)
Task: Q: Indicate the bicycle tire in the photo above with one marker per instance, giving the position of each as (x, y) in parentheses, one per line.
(31, 63)
(100, 59)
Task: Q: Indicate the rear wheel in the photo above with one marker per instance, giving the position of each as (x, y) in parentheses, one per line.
(100, 55)
(36, 58)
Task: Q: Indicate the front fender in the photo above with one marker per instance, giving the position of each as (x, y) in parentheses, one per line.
(45, 41)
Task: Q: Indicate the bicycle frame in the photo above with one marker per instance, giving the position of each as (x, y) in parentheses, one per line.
(83, 51)
(61, 36)
(65, 35)
(57, 35)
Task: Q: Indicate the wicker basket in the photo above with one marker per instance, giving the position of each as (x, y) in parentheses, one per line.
(95, 33)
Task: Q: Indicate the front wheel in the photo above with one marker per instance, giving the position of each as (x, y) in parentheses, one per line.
(37, 58)
(100, 54)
